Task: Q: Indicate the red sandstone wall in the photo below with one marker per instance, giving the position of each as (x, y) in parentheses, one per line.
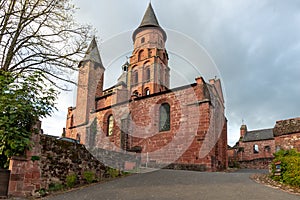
(189, 126)
(25, 176)
(289, 141)
(50, 161)
(248, 154)
(106, 101)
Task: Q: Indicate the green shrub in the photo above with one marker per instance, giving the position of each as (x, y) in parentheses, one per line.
(290, 167)
(89, 176)
(113, 173)
(34, 158)
(55, 186)
(126, 173)
(71, 180)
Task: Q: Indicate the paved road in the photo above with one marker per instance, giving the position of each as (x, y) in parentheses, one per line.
(173, 185)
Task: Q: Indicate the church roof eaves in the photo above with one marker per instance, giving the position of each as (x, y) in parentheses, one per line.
(148, 96)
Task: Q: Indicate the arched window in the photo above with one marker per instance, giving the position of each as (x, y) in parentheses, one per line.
(164, 117)
(148, 74)
(141, 53)
(149, 53)
(143, 40)
(135, 77)
(255, 148)
(147, 91)
(267, 149)
(136, 93)
(110, 125)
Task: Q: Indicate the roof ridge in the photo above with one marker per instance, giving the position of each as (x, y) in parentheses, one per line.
(260, 129)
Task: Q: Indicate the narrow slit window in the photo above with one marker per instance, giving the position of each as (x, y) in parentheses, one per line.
(110, 125)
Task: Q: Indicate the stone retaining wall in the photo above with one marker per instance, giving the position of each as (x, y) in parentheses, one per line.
(61, 158)
(117, 160)
(262, 163)
(50, 161)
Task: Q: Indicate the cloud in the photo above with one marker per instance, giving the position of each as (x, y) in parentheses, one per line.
(255, 45)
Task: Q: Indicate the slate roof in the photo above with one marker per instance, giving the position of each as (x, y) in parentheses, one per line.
(149, 20)
(263, 134)
(92, 54)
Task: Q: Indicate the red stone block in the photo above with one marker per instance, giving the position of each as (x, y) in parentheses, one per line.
(28, 175)
(20, 186)
(16, 177)
(28, 188)
(12, 186)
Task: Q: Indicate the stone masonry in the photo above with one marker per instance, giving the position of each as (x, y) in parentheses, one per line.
(180, 127)
(256, 148)
(50, 161)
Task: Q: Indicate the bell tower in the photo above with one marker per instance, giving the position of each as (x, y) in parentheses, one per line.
(90, 83)
(148, 71)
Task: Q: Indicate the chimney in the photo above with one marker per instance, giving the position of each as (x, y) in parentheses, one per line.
(199, 80)
(243, 130)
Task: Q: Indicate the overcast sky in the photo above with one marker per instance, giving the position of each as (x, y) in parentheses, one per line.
(252, 45)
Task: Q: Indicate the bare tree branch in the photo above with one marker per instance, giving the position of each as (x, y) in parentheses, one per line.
(41, 35)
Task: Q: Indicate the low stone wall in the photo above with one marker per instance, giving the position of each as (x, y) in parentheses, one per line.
(262, 163)
(191, 167)
(118, 160)
(51, 161)
(290, 141)
(61, 158)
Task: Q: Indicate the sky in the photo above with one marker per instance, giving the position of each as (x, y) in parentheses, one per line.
(253, 46)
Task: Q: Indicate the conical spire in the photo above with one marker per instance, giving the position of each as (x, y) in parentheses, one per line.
(149, 18)
(92, 54)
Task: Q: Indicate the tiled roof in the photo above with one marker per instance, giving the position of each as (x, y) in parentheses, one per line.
(263, 134)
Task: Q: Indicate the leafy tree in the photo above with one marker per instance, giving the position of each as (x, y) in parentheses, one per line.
(40, 35)
(23, 100)
(289, 166)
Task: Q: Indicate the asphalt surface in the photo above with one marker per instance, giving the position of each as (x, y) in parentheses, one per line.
(176, 184)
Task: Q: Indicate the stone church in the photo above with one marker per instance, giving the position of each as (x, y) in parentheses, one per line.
(183, 127)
